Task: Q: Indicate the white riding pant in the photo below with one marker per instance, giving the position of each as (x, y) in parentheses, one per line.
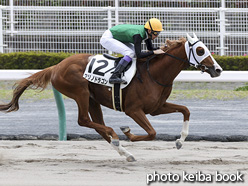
(108, 42)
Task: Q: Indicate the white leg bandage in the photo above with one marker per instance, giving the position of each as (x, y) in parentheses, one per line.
(184, 134)
(185, 130)
(121, 150)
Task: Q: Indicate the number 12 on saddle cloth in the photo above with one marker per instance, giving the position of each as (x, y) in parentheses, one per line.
(99, 70)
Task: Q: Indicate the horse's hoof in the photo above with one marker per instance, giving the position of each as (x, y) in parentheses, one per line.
(115, 142)
(130, 159)
(125, 129)
(178, 144)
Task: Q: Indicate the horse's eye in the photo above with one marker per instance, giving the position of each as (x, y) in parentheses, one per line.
(200, 51)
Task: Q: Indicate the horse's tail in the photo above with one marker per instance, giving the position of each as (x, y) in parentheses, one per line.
(37, 80)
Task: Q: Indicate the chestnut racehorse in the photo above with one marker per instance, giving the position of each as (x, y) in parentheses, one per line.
(146, 94)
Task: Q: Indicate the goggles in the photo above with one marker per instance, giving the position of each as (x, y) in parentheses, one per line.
(155, 33)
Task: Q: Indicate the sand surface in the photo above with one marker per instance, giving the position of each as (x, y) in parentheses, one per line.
(96, 163)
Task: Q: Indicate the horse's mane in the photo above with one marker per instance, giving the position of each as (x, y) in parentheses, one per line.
(170, 44)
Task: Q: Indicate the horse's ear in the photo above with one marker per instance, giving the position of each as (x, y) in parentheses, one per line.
(168, 42)
(195, 37)
(190, 39)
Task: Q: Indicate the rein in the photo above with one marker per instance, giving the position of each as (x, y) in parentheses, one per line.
(147, 65)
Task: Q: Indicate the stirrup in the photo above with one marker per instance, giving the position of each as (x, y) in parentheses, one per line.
(117, 81)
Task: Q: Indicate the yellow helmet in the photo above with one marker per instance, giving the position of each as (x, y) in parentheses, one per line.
(154, 25)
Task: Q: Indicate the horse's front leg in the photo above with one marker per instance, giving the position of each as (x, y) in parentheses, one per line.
(140, 118)
(171, 108)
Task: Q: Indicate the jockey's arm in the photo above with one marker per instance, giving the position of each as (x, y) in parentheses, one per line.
(137, 46)
(149, 45)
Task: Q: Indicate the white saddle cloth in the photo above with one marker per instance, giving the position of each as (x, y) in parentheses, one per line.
(99, 70)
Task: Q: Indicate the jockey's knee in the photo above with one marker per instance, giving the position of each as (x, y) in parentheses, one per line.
(105, 38)
(152, 135)
(103, 41)
(131, 54)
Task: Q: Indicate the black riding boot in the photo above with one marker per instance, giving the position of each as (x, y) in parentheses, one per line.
(116, 77)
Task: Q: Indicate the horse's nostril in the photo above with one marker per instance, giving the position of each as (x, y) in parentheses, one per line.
(218, 71)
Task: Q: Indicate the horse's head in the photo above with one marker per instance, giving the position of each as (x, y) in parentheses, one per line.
(200, 57)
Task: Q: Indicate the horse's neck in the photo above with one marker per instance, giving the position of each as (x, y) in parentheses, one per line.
(166, 68)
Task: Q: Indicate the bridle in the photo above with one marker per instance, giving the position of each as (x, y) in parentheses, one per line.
(198, 65)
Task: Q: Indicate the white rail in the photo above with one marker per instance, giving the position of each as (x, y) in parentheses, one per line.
(226, 76)
(184, 76)
(16, 74)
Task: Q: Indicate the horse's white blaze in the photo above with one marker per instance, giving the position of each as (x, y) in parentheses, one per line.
(121, 150)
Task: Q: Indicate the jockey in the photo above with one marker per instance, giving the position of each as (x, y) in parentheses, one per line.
(126, 39)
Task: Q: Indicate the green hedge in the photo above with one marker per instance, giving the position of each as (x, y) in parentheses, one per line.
(41, 60)
(233, 62)
(31, 60)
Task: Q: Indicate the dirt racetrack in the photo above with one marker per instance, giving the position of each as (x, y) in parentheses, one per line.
(95, 163)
